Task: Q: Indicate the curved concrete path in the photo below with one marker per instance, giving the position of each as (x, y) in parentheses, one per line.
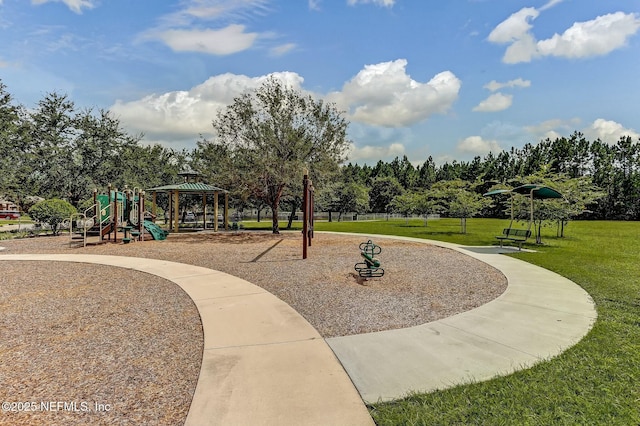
(263, 363)
(540, 315)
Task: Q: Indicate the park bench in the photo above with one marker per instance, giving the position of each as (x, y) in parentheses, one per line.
(517, 236)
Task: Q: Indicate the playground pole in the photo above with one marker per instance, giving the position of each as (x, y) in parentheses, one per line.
(312, 201)
(115, 215)
(305, 213)
(95, 205)
(141, 215)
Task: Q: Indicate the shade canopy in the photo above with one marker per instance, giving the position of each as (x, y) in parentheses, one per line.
(189, 187)
(496, 192)
(540, 192)
(534, 191)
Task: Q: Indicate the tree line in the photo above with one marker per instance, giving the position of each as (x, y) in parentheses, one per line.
(266, 138)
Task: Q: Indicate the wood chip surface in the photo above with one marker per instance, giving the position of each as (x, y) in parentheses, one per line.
(133, 342)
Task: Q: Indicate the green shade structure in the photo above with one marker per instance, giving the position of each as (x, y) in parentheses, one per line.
(197, 188)
(496, 192)
(534, 191)
(539, 192)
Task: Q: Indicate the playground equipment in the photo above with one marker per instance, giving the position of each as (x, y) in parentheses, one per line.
(307, 213)
(370, 268)
(113, 213)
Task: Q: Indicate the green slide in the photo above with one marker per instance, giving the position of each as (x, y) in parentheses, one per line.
(156, 232)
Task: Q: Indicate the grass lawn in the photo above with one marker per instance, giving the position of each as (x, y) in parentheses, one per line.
(597, 382)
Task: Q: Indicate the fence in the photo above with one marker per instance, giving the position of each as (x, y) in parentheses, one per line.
(346, 217)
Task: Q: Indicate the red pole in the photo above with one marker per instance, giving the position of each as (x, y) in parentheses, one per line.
(311, 209)
(305, 213)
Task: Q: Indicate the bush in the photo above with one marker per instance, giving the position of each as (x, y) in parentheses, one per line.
(52, 212)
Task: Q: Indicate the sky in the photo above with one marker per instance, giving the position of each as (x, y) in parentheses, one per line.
(451, 79)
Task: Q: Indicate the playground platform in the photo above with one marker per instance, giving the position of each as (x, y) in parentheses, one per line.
(267, 365)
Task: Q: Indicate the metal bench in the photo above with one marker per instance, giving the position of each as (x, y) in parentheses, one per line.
(517, 236)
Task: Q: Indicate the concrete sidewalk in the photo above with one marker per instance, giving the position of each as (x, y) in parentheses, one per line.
(264, 364)
(540, 315)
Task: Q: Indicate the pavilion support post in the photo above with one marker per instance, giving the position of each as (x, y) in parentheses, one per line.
(154, 206)
(215, 211)
(204, 211)
(226, 211)
(176, 214)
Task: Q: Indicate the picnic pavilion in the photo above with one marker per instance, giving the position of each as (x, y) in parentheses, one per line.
(192, 188)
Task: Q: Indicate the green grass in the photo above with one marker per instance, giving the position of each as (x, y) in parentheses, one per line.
(597, 382)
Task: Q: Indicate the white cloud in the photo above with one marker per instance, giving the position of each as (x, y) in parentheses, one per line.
(476, 145)
(596, 37)
(225, 41)
(515, 27)
(283, 49)
(190, 29)
(553, 129)
(386, 3)
(496, 102)
(75, 5)
(211, 10)
(375, 152)
(183, 115)
(550, 4)
(385, 95)
(599, 36)
(381, 94)
(314, 4)
(518, 82)
(608, 131)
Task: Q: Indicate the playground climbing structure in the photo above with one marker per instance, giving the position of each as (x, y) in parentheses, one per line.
(116, 216)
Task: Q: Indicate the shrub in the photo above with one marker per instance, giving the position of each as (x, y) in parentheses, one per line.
(52, 212)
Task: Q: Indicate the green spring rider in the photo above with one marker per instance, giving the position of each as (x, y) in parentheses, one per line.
(370, 268)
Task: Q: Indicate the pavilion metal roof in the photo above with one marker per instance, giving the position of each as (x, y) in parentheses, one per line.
(195, 187)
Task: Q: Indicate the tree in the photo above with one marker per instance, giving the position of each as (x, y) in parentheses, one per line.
(273, 134)
(577, 195)
(52, 212)
(427, 173)
(344, 197)
(12, 125)
(404, 204)
(460, 200)
(72, 152)
(426, 204)
(383, 191)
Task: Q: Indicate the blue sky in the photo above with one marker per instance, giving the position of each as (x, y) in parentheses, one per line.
(451, 79)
